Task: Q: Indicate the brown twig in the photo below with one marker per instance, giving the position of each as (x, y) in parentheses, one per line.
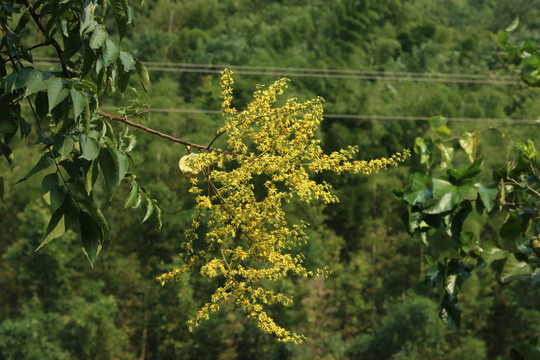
(155, 132)
(52, 41)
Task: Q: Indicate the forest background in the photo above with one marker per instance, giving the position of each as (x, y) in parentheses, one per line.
(375, 304)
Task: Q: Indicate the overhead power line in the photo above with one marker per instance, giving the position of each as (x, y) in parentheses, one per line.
(324, 73)
(362, 117)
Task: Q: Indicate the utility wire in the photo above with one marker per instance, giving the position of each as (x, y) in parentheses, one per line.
(316, 70)
(325, 73)
(359, 117)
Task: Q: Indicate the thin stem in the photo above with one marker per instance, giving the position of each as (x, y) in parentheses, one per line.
(215, 138)
(52, 41)
(155, 132)
(49, 149)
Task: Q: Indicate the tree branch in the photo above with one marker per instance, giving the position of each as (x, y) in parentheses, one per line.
(155, 132)
(52, 41)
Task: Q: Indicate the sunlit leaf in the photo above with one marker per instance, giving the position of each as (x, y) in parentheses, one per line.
(44, 162)
(514, 267)
(61, 220)
(143, 75)
(469, 142)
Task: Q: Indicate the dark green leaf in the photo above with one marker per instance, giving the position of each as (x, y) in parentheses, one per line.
(2, 191)
(72, 45)
(143, 75)
(86, 117)
(121, 14)
(92, 237)
(114, 167)
(44, 162)
(511, 227)
(24, 127)
(52, 192)
(123, 81)
(61, 220)
(464, 175)
(488, 195)
(450, 313)
(22, 77)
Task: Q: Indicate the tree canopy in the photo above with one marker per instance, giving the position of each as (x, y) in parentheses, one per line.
(117, 107)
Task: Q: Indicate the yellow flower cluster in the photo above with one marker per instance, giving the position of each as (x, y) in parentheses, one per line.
(248, 242)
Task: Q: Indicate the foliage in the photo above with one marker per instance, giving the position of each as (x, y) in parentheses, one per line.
(81, 144)
(248, 237)
(376, 267)
(438, 206)
(77, 139)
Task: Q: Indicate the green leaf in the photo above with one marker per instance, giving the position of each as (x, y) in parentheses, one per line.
(450, 313)
(419, 189)
(61, 220)
(111, 52)
(89, 147)
(52, 192)
(488, 194)
(2, 191)
(143, 75)
(514, 25)
(36, 81)
(491, 254)
(92, 237)
(469, 142)
(114, 167)
(103, 224)
(78, 100)
(123, 81)
(447, 196)
(149, 209)
(87, 16)
(86, 117)
(22, 77)
(98, 38)
(63, 145)
(511, 227)
(133, 195)
(44, 162)
(127, 61)
(121, 14)
(57, 91)
(527, 352)
(438, 124)
(447, 154)
(424, 148)
(463, 176)
(528, 149)
(514, 267)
